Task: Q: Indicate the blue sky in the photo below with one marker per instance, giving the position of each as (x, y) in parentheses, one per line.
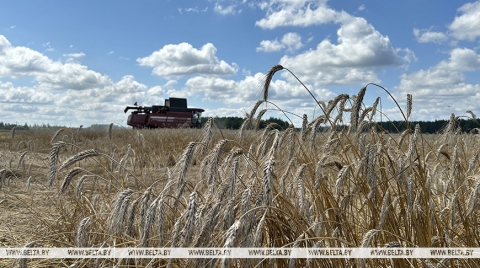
(81, 62)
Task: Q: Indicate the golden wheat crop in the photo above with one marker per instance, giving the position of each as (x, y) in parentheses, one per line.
(298, 187)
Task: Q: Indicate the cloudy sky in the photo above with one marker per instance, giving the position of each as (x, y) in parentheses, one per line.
(81, 62)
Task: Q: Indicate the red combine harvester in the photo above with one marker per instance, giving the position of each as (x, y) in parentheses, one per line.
(174, 114)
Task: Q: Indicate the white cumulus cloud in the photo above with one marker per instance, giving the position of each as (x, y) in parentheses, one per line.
(290, 41)
(461, 59)
(18, 61)
(427, 36)
(183, 59)
(270, 46)
(75, 55)
(62, 93)
(442, 89)
(353, 60)
(466, 26)
(226, 10)
(296, 13)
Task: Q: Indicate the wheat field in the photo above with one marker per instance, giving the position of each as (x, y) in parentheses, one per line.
(303, 186)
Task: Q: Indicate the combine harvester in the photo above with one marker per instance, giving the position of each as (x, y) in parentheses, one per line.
(174, 114)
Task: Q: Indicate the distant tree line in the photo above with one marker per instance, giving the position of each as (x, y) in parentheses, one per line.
(231, 122)
(427, 126)
(390, 126)
(7, 126)
(236, 122)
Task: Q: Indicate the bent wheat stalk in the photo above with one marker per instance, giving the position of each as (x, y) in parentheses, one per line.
(78, 157)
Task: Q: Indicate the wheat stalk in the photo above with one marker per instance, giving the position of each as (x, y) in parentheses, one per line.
(200, 216)
(304, 129)
(20, 161)
(141, 139)
(247, 122)
(176, 230)
(234, 153)
(315, 126)
(450, 126)
(412, 148)
(453, 209)
(333, 103)
(318, 176)
(29, 180)
(356, 109)
(130, 218)
(264, 144)
(245, 202)
(117, 215)
(362, 116)
(82, 234)
(455, 164)
(374, 109)
(342, 174)
(233, 176)
(53, 161)
(268, 177)
(232, 234)
(190, 218)
(78, 157)
(180, 191)
(384, 210)
(12, 132)
(161, 221)
(268, 79)
(110, 127)
(367, 238)
(275, 143)
(60, 130)
(300, 187)
(144, 205)
(267, 130)
(229, 214)
(258, 120)
(29, 170)
(80, 182)
(185, 161)
(473, 198)
(207, 135)
(68, 178)
(150, 217)
(410, 193)
(205, 231)
(122, 164)
(214, 158)
(409, 105)
(31, 145)
(20, 144)
(417, 208)
(331, 139)
(258, 238)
